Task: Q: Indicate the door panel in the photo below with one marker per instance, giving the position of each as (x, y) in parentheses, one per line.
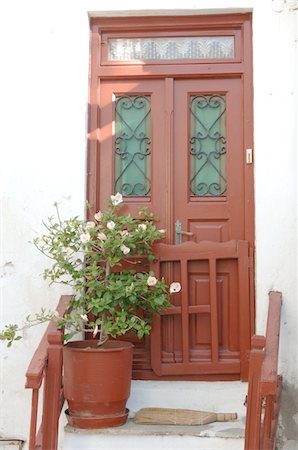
(209, 217)
(190, 132)
(153, 145)
(111, 131)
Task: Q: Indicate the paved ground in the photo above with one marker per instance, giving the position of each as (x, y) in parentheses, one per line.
(290, 445)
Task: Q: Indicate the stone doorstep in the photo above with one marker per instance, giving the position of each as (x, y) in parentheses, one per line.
(227, 430)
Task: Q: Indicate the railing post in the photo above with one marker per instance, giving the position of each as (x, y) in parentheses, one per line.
(52, 390)
(33, 421)
(254, 399)
(276, 408)
(267, 443)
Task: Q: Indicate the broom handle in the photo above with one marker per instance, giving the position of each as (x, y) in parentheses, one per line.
(223, 417)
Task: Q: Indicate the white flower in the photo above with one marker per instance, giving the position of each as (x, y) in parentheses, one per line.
(162, 231)
(102, 236)
(85, 237)
(151, 281)
(116, 199)
(124, 233)
(90, 224)
(142, 227)
(98, 216)
(125, 250)
(95, 331)
(175, 287)
(111, 225)
(84, 317)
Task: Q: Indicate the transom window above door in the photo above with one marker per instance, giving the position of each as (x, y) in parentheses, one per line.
(167, 48)
(164, 47)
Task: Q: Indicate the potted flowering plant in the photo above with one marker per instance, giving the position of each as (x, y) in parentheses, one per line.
(107, 301)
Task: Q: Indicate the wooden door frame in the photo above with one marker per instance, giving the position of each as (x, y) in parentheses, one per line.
(240, 67)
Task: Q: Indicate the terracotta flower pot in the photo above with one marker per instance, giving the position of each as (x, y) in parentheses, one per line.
(97, 383)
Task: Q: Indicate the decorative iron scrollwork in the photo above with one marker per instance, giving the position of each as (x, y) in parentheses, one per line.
(132, 145)
(208, 145)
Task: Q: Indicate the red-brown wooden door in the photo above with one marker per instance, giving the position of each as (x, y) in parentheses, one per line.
(196, 186)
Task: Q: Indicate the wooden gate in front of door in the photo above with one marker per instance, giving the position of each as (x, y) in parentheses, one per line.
(170, 128)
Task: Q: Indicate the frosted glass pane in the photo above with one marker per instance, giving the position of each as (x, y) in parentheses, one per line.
(132, 145)
(216, 47)
(208, 145)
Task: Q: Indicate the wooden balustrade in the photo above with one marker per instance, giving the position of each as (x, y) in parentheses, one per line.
(46, 367)
(264, 383)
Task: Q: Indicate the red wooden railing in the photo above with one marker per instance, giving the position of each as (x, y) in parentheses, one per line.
(264, 383)
(46, 368)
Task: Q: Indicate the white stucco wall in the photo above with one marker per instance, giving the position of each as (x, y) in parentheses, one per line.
(43, 110)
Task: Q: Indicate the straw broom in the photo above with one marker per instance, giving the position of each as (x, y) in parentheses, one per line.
(170, 416)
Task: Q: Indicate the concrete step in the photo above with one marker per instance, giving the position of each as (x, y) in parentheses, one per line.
(219, 396)
(205, 396)
(158, 437)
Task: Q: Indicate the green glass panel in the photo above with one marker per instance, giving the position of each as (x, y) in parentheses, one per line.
(132, 145)
(208, 145)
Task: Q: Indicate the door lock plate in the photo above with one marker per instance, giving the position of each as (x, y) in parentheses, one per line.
(249, 156)
(179, 232)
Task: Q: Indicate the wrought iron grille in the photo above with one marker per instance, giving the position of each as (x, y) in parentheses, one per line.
(132, 145)
(208, 145)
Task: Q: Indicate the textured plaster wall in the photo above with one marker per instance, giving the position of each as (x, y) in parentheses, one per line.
(43, 110)
(275, 132)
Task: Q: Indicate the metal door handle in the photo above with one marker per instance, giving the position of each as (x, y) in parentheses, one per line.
(179, 232)
(185, 233)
